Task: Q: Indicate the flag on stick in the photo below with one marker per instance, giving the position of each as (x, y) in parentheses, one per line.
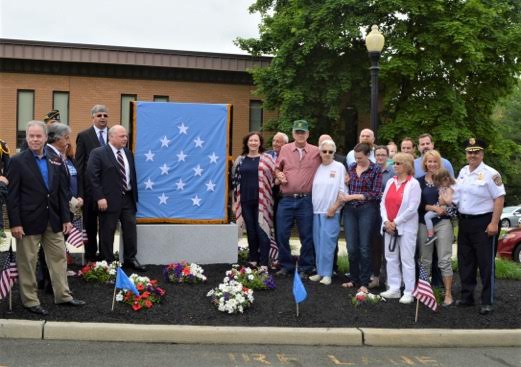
(423, 291)
(124, 282)
(75, 237)
(299, 291)
(8, 272)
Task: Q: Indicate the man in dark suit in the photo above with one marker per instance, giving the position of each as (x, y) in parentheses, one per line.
(87, 140)
(39, 214)
(112, 175)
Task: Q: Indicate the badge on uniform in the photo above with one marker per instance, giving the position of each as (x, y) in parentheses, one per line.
(480, 176)
(332, 174)
(497, 180)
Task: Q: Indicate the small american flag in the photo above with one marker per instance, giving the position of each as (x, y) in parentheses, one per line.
(423, 291)
(76, 235)
(8, 272)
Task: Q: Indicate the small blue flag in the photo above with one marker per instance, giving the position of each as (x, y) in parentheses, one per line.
(123, 282)
(299, 292)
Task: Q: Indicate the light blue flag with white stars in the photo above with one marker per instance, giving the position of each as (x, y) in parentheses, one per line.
(180, 153)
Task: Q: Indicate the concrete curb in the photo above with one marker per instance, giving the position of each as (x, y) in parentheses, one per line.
(186, 334)
(21, 329)
(201, 334)
(441, 338)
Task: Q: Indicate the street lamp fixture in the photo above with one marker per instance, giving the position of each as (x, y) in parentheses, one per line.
(374, 43)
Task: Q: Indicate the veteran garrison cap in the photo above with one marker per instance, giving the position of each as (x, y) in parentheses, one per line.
(473, 145)
(300, 125)
(53, 115)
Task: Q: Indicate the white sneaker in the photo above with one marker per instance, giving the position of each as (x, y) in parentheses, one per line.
(407, 299)
(315, 278)
(326, 280)
(391, 293)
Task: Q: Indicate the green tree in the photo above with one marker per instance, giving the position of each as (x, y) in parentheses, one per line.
(444, 66)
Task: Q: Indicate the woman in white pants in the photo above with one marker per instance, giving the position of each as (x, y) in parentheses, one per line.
(399, 211)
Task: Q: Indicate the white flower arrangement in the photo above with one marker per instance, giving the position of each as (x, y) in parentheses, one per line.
(231, 297)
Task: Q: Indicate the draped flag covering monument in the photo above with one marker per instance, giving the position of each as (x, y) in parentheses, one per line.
(181, 155)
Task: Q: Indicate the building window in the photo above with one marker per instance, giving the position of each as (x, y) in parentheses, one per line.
(60, 102)
(125, 109)
(255, 115)
(161, 99)
(24, 113)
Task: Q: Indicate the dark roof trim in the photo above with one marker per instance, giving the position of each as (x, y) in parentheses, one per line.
(101, 54)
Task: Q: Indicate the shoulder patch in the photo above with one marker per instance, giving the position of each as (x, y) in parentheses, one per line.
(497, 180)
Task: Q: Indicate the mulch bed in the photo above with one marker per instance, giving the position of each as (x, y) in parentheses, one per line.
(326, 306)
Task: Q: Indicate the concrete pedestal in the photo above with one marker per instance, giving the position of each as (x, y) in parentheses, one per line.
(160, 244)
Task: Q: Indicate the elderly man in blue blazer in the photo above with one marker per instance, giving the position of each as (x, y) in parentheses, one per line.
(39, 214)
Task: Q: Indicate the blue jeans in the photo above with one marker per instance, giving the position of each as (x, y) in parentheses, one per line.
(325, 237)
(301, 210)
(358, 227)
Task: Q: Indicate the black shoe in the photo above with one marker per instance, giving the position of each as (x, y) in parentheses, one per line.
(38, 310)
(134, 264)
(464, 303)
(485, 309)
(282, 273)
(73, 302)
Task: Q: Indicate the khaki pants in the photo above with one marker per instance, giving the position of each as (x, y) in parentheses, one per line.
(26, 258)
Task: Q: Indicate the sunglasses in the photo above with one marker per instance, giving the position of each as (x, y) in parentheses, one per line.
(328, 152)
(102, 115)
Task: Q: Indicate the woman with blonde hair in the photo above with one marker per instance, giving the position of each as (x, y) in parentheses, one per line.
(443, 233)
(399, 211)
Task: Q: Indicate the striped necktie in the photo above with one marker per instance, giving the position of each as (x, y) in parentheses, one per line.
(101, 139)
(122, 171)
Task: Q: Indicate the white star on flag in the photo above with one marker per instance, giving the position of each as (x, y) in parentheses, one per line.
(198, 170)
(150, 156)
(213, 158)
(162, 199)
(210, 186)
(164, 169)
(196, 201)
(198, 142)
(180, 184)
(149, 184)
(165, 142)
(181, 156)
(183, 129)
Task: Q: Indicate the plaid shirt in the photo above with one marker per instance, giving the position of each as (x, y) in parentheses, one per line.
(369, 184)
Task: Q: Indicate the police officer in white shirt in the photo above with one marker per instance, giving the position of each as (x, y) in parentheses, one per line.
(480, 195)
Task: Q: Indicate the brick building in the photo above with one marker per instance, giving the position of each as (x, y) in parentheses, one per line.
(36, 77)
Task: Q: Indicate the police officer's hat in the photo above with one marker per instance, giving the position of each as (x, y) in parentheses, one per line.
(300, 125)
(473, 145)
(53, 115)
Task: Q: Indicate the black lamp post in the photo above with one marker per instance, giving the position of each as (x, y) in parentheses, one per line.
(374, 43)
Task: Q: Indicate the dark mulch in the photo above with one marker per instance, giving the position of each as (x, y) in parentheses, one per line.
(326, 306)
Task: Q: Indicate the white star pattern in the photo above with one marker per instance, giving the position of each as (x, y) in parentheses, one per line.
(210, 186)
(198, 142)
(213, 158)
(150, 156)
(162, 199)
(165, 141)
(196, 201)
(183, 129)
(149, 185)
(164, 169)
(198, 171)
(180, 184)
(181, 156)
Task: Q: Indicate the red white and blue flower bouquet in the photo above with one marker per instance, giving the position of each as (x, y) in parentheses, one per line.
(253, 278)
(149, 293)
(184, 272)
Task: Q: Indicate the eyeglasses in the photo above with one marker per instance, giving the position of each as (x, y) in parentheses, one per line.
(328, 152)
(102, 115)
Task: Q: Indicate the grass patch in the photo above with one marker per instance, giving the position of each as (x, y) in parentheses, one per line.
(343, 264)
(508, 270)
